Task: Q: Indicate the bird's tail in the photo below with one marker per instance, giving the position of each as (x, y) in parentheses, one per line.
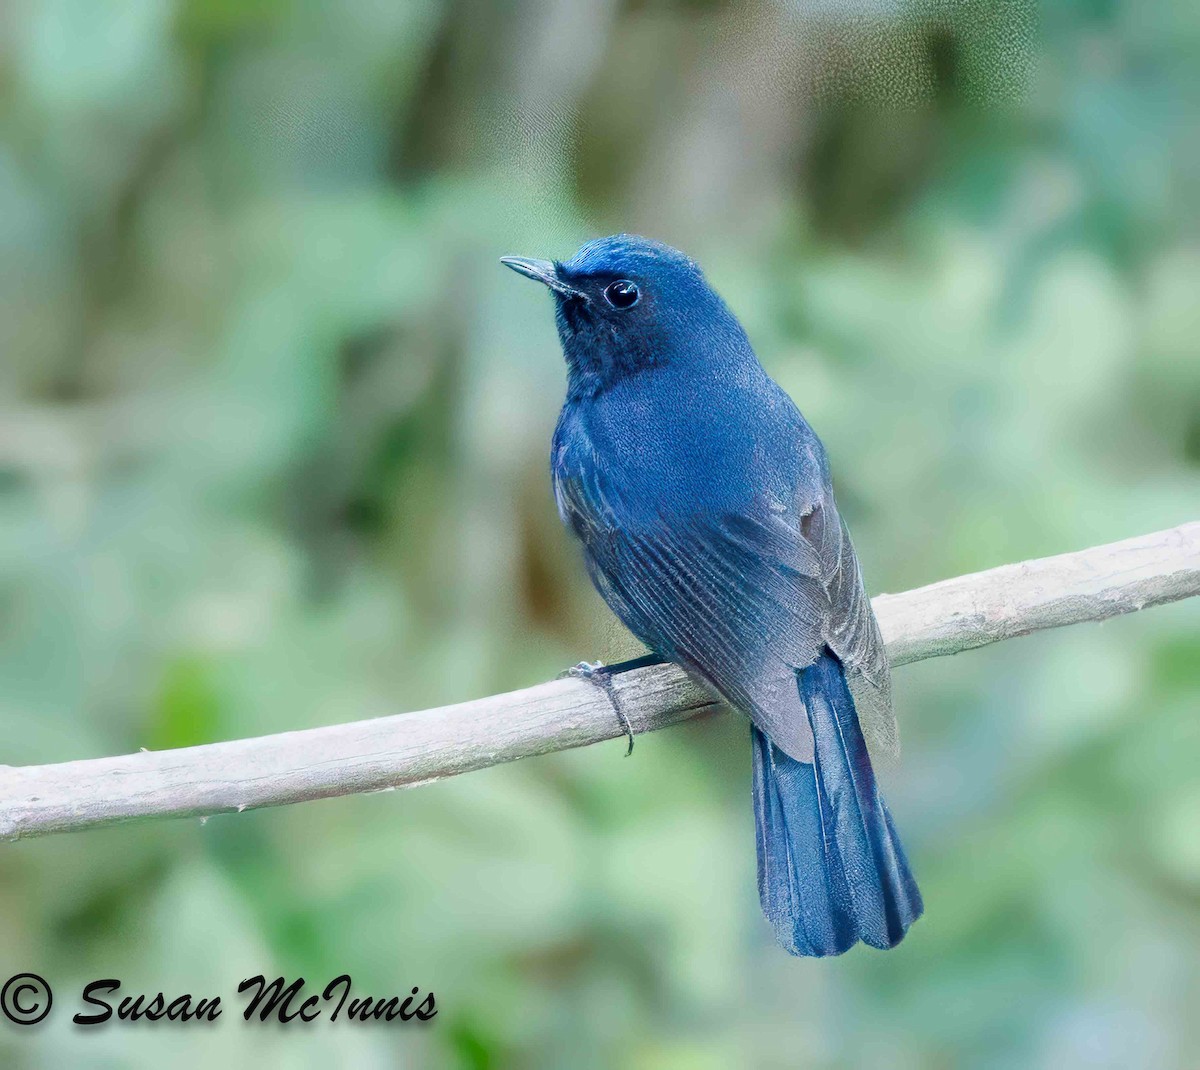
(831, 870)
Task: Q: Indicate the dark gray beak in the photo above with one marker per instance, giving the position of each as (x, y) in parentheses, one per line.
(542, 271)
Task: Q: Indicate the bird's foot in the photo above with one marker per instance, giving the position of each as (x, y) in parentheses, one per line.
(596, 672)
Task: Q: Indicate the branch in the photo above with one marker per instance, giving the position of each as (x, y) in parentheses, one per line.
(415, 748)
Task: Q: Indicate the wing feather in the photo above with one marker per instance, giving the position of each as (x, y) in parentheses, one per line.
(742, 599)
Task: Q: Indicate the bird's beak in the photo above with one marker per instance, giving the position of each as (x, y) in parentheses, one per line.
(542, 271)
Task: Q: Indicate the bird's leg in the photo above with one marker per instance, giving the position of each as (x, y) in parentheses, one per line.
(643, 661)
(601, 675)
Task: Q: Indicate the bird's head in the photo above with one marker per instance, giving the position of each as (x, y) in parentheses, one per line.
(625, 304)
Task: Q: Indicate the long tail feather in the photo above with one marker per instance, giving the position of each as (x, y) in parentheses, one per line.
(831, 870)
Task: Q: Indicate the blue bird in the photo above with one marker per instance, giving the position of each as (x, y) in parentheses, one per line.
(704, 505)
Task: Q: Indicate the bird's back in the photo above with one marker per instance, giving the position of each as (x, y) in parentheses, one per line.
(704, 506)
(683, 442)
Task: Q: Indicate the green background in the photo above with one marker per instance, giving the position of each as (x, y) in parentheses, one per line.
(273, 454)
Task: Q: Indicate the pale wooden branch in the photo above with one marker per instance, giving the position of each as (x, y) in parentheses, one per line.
(415, 748)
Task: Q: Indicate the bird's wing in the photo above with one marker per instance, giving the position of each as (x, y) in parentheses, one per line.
(852, 632)
(743, 599)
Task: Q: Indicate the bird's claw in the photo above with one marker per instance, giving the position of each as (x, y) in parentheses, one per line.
(585, 670)
(596, 672)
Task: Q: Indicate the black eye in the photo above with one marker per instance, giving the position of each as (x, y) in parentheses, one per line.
(622, 294)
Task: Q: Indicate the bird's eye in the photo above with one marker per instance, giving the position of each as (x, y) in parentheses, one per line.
(622, 294)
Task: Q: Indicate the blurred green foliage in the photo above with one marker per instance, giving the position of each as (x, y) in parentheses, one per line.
(273, 454)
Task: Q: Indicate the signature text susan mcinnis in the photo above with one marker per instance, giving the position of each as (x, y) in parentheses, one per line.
(277, 1000)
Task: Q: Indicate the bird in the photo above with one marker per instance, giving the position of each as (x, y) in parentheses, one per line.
(704, 505)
